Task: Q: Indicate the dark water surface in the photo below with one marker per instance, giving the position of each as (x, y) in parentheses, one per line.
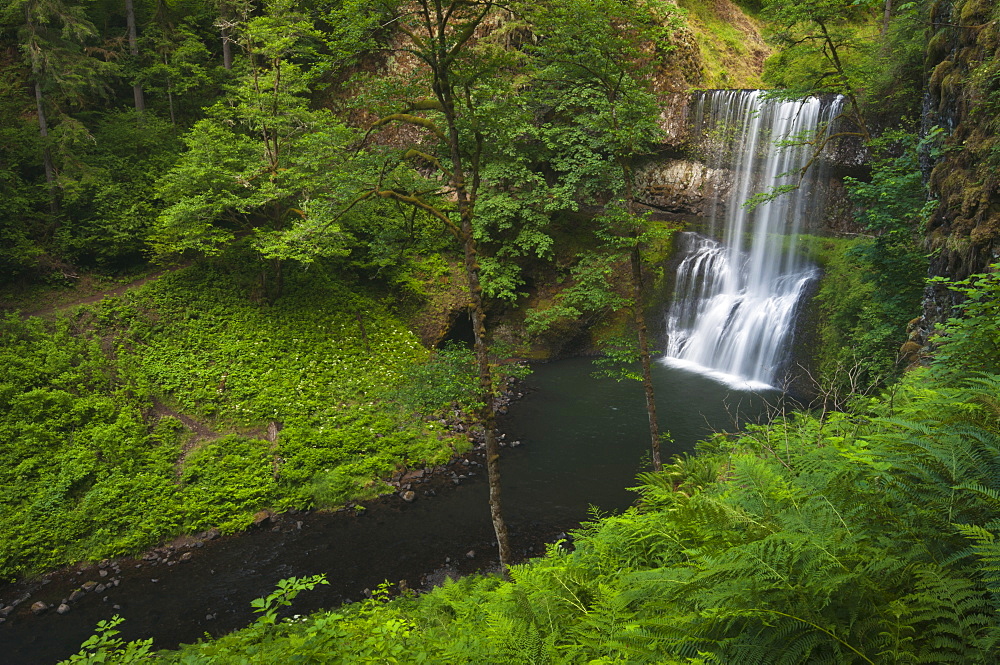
(585, 439)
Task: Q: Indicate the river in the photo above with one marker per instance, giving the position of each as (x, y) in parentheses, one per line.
(584, 441)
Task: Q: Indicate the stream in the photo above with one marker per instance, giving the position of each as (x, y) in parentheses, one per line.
(584, 441)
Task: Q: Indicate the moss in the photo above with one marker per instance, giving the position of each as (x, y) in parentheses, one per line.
(940, 71)
(974, 11)
(732, 50)
(938, 46)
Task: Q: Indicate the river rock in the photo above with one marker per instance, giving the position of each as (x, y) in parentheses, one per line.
(77, 595)
(100, 588)
(212, 534)
(262, 518)
(102, 573)
(412, 475)
(186, 556)
(89, 585)
(408, 496)
(62, 609)
(471, 554)
(39, 607)
(7, 609)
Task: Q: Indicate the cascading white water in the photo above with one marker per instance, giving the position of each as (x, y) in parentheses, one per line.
(735, 298)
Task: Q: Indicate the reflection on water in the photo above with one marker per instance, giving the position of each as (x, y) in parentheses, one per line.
(587, 438)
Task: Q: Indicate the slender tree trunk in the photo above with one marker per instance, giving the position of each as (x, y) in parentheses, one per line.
(224, 24)
(43, 130)
(647, 375)
(170, 93)
(133, 47)
(639, 318)
(488, 410)
(478, 315)
(227, 48)
(886, 15)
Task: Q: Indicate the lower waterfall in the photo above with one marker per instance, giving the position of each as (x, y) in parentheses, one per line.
(739, 285)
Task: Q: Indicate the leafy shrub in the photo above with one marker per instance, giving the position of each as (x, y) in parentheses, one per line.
(447, 378)
(970, 341)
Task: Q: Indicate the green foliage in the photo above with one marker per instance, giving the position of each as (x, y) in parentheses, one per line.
(262, 156)
(283, 596)
(108, 190)
(589, 290)
(99, 464)
(864, 537)
(105, 647)
(873, 286)
(727, 59)
(969, 341)
(18, 245)
(448, 378)
(850, 47)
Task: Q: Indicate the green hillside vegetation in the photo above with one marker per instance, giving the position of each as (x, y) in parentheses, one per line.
(100, 465)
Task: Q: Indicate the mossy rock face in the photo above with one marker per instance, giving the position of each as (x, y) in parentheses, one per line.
(964, 230)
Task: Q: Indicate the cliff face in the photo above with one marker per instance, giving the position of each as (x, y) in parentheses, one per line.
(691, 176)
(963, 100)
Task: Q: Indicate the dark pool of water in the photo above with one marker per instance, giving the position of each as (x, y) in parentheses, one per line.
(584, 441)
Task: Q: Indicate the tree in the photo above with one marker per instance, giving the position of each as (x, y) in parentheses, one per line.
(593, 63)
(263, 155)
(52, 34)
(462, 70)
(18, 152)
(133, 48)
(823, 34)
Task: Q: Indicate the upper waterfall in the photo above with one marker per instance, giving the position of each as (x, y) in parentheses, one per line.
(738, 287)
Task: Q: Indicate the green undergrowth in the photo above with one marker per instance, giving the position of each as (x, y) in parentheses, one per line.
(860, 537)
(188, 404)
(869, 535)
(863, 312)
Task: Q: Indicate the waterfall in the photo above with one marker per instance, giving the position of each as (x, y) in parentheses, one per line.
(738, 287)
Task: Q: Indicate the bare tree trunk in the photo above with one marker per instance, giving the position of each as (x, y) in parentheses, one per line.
(639, 318)
(133, 47)
(886, 15)
(227, 48)
(43, 130)
(488, 416)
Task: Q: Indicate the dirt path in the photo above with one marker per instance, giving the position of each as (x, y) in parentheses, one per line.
(101, 295)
